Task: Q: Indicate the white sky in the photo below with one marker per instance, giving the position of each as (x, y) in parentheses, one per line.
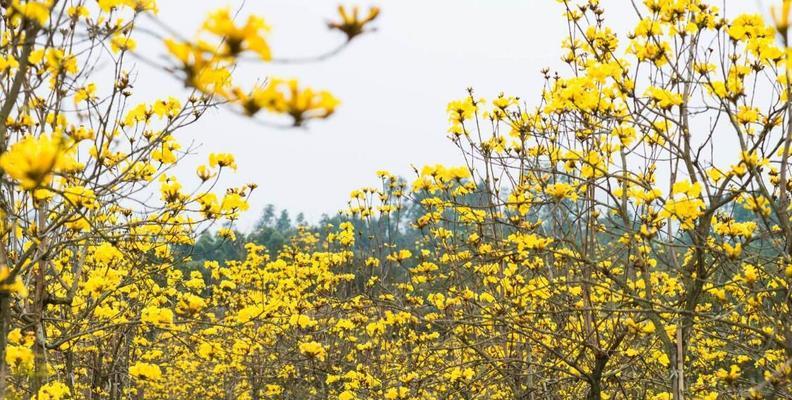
(394, 85)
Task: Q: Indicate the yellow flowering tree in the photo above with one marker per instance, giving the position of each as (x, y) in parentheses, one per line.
(93, 221)
(625, 235)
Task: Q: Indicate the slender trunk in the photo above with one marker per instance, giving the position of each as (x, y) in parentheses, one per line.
(69, 370)
(39, 298)
(595, 390)
(783, 196)
(5, 319)
(595, 379)
(39, 350)
(679, 389)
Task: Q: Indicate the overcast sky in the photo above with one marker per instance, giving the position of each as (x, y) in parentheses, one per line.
(394, 85)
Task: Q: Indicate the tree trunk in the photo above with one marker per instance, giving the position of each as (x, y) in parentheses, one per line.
(5, 319)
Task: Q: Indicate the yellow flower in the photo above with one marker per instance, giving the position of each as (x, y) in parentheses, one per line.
(351, 24)
(37, 11)
(137, 5)
(729, 376)
(161, 317)
(347, 395)
(302, 320)
(81, 197)
(458, 374)
(145, 371)
(746, 115)
(15, 336)
(190, 304)
(102, 280)
(19, 357)
(756, 203)
(226, 233)
(285, 96)
(121, 42)
(715, 174)
(664, 98)
(105, 254)
(749, 274)
(204, 173)
(79, 11)
(529, 241)
(166, 151)
(661, 358)
(56, 60)
(233, 203)
(85, 93)
(32, 160)
(461, 110)
(248, 313)
(748, 26)
(222, 160)
(8, 62)
(400, 255)
(685, 210)
(686, 188)
(561, 191)
(272, 390)
(53, 391)
(732, 251)
(202, 72)
(237, 39)
(397, 393)
(169, 107)
(313, 350)
(9, 284)
(781, 17)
